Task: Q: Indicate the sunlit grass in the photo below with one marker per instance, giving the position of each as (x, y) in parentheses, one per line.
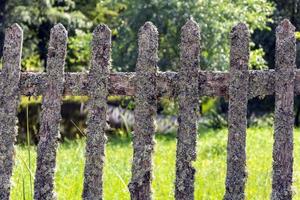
(210, 165)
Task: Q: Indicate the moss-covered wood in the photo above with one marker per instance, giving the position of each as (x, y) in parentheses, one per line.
(9, 99)
(188, 99)
(284, 117)
(97, 111)
(237, 113)
(145, 110)
(50, 115)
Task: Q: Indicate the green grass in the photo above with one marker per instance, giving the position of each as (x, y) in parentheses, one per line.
(210, 165)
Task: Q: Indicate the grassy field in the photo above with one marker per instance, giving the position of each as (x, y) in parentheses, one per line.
(210, 165)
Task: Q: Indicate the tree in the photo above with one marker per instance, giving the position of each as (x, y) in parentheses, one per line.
(37, 17)
(125, 17)
(215, 18)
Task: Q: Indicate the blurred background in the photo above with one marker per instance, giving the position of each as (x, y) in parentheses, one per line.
(124, 17)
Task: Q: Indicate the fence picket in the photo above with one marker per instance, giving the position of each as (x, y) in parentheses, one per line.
(188, 99)
(144, 112)
(9, 99)
(96, 125)
(50, 115)
(237, 114)
(284, 118)
(147, 85)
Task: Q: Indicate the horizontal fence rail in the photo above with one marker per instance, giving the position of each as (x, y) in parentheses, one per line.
(261, 83)
(147, 85)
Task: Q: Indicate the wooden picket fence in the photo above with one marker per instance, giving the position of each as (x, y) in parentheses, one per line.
(147, 85)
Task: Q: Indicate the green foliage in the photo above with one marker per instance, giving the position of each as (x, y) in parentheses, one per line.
(125, 18)
(169, 106)
(37, 17)
(257, 60)
(216, 18)
(212, 114)
(297, 35)
(79, 51)
(266, 120)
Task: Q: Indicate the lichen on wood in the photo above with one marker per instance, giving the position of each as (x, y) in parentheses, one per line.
(9, 99)
(50, 115)
(188, 99)
(213, 84)
(237, 113)
(97, 111)
(284, 118)
(145, 110)
(261, 83)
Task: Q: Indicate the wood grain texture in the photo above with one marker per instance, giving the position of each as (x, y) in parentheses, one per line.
(284, 116)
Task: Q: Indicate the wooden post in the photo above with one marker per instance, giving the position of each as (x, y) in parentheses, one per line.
(284, 117)
(9, 99)
(96, 124)
(237, 114)
(188, 110)
(50, 115)
(145, 110)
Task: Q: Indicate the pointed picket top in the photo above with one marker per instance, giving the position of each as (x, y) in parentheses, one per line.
(190, 46)
(240, 28)
(59, 30)
(57, 49)
(150, 30)
(285, 29)
(12, 46)
(190, 32)
(285, 46)
(58, 37)
(102, 33)
(148, 36)
(14, 31)
(148, 48)
(239, 51)
(101, 48)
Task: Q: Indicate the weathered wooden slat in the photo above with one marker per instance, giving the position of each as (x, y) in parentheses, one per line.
(237, 113)
(97, 109)
(261, 83)
(284, 117)
(9, 99)
(144, 112)
(50, 115)
(188, 99)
